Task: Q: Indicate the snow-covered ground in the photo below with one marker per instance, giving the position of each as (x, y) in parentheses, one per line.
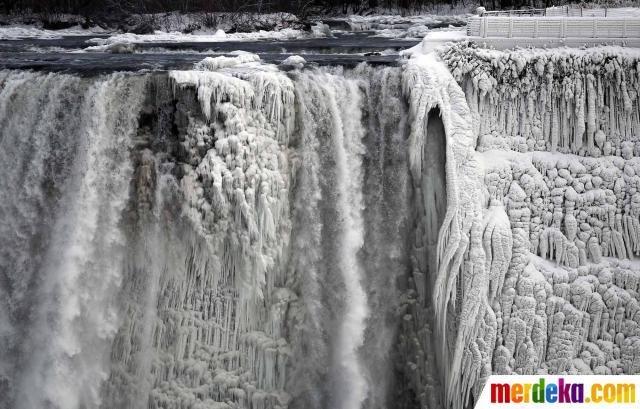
(381, 22)
(433, 39)
(206, 23)
(24, 31)
(396, 26)
(217, 36)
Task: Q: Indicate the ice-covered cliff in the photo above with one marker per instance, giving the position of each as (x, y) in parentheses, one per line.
(240, 236)
(556, 136)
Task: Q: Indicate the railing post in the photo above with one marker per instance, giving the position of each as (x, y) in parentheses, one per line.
(624, 28)
(535, 29)
(510, 27)
(595, 27)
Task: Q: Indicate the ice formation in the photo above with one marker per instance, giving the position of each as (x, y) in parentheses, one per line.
(459, 264)
(293, 62)
(557, 146)
(245, 235)
(19, 32)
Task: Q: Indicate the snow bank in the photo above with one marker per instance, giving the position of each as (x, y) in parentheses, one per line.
(215, 63)
(294, 61)
(219, 35)
(22, 32)
(381, 22)
(206, 23)
(434, 39)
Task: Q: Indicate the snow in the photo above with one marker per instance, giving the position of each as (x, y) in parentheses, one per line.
(177, 37)
(381, 22)
(120, 47)
(434, 39)
(294, 61)
(236, 191)
(590, 131)
(22, 32)
(207, 23)
(321, 30)
(546, 230)
(215, 63)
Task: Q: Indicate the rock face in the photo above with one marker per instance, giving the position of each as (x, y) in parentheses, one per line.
(241, 236)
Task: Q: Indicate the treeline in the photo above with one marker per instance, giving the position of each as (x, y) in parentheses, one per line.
(97, 7)
(118, 8)
(139, 6)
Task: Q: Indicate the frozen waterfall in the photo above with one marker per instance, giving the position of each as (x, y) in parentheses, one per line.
(230, 236)
(237, 236)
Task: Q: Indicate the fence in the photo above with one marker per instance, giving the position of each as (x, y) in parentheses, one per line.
(564, 11)
(554, 27)
(515, 13)
(567, 11)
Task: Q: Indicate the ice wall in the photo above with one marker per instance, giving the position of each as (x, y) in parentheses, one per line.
(544, 262)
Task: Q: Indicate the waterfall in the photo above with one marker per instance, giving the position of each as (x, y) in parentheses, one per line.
(349, 224)
(67, 183)
(242, 236)
(332, 113)
(230, 236)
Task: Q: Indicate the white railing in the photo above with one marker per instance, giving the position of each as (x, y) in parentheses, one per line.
(566, 11)
(515, 13)
(563, 11)
(554, 27)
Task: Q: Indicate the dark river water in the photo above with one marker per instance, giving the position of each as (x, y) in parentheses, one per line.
(65, 54)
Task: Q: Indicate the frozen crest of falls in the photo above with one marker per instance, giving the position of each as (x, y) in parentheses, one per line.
(236, 236)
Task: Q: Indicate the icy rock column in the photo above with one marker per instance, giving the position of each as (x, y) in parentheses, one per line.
(460, 254)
